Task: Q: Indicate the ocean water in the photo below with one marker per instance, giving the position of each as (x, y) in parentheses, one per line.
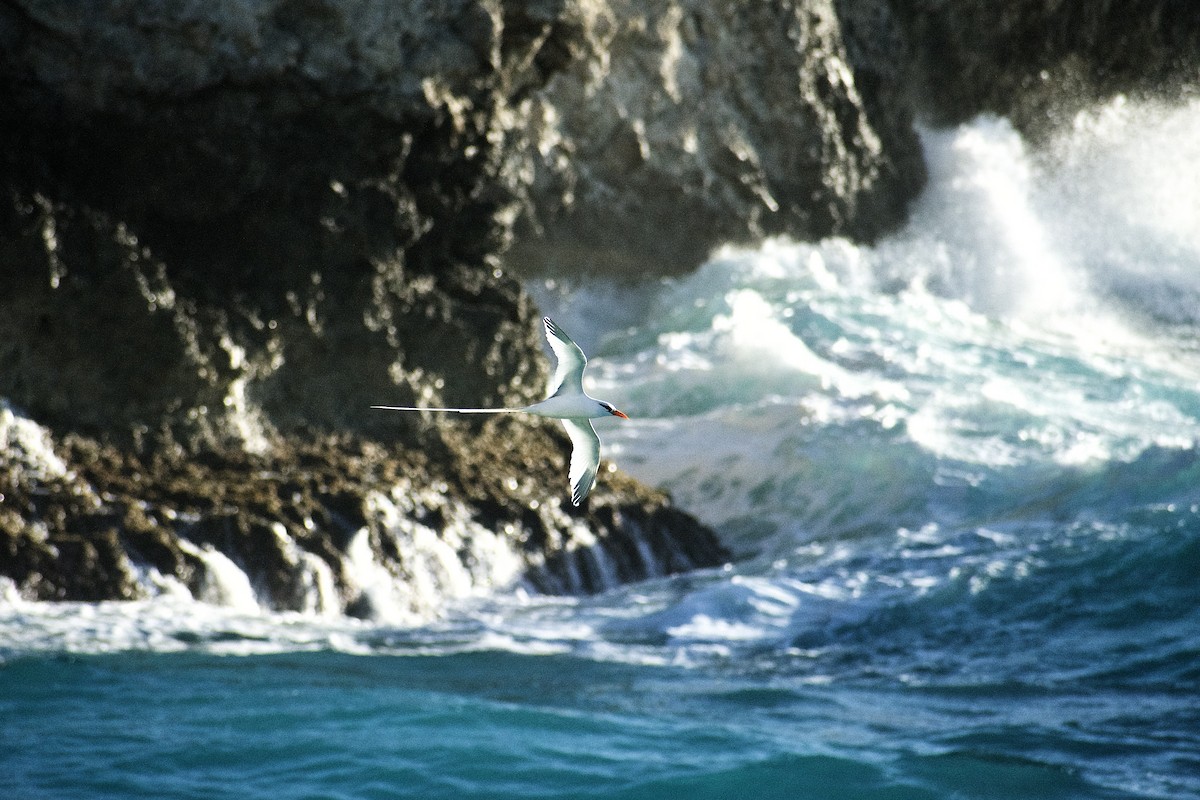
(959, 469)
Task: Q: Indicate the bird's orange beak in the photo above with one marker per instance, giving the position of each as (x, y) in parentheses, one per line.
(620, 414)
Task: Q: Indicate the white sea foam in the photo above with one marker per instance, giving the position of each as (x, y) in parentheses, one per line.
(29, 444)
(318, 589)
(223, 583)
(166, 624)
(10, 595)
(458, 560)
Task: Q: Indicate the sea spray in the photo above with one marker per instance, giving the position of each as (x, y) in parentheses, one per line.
(222, 582)
(1123, 187)
(28, 444)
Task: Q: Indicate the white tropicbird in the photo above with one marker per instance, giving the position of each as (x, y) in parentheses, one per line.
(566, 401)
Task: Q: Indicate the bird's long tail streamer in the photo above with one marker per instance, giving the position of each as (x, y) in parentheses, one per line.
(455, 410)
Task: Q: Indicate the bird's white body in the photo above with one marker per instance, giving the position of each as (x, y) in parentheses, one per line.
(569, 406)
(567, 402)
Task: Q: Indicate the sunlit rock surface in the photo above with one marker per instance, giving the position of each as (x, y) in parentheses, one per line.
(676, 126)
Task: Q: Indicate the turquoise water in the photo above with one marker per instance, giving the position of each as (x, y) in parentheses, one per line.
(505, 725)
(959, 469)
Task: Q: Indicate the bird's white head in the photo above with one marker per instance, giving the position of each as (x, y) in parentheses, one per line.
(608, 407)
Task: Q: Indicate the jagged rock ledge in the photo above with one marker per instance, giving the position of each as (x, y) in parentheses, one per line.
(334, 524)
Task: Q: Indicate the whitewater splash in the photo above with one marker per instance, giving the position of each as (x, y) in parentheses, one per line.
(1024, 318)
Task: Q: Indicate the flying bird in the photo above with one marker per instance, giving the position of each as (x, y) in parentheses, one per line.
(566, 401)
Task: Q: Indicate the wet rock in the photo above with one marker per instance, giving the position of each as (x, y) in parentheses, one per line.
(330, 525)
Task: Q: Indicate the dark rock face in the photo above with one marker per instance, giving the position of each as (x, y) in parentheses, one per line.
(1040, 61)
(680, 125)
(194, 201)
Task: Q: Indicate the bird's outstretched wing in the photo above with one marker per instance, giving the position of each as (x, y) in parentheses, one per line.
(568, 375)
(585, 457)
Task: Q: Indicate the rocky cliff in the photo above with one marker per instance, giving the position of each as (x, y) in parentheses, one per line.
(227, 228)
(678, 126)
(1039, 62)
